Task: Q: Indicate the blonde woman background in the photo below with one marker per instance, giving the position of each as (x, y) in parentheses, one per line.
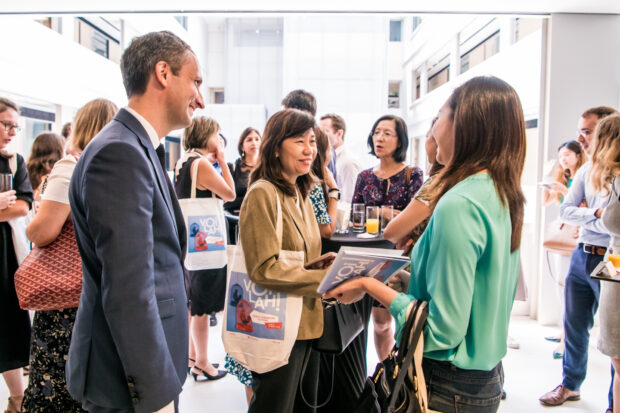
(51, 330)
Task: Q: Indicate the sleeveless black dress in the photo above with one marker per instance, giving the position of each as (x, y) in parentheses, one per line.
(14, 322)
(206, 289)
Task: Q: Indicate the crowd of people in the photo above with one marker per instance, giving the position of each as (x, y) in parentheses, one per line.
(142, 323)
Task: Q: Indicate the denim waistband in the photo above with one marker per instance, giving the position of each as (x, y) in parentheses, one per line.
(449, 367)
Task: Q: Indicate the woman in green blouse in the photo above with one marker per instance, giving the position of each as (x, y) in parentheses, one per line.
(466, 263)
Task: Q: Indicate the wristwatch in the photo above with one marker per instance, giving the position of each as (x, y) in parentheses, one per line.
(334, 193)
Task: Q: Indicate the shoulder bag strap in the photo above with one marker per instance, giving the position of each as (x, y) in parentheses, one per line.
(195, 176)
(418, 313)
(279, 224)
(408, 171)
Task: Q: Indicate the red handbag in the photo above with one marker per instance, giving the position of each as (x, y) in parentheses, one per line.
(50, 278)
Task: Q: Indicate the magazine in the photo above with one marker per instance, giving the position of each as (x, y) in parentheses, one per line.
(378, 263)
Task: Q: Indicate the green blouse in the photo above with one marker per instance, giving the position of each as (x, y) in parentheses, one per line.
(462, 265)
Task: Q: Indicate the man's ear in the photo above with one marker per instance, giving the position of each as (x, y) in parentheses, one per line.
(162, 73)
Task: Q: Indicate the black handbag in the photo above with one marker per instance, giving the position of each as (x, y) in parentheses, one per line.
(397, 383)
(341, 324)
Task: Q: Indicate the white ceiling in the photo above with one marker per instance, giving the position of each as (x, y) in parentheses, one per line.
(536, 7)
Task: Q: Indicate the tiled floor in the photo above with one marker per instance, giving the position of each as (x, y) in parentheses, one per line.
(530, 371)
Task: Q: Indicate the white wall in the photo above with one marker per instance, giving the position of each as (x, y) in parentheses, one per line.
(254, 62)
(343, 62)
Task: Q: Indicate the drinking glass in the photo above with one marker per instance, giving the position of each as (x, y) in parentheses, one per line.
(614, 256)
(372, 219)
(6, 182)
(342, 217)
(358, 217)
(387, 213)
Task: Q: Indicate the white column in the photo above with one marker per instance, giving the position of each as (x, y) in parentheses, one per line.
(423, 79)
(455, 57)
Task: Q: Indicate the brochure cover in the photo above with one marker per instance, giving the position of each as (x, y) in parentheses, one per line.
(205, 234)
(378, 263)
(260, 313)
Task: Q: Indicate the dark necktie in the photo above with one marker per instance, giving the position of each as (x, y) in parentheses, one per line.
(161, 154)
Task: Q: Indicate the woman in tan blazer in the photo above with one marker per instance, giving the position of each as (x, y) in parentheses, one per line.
(287, 151)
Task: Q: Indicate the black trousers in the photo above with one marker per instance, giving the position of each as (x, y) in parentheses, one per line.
(277, 391)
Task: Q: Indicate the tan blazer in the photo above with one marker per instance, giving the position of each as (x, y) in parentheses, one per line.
(300, 232)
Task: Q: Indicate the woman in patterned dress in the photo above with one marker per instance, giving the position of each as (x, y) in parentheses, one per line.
(391, 182)
(51, 330)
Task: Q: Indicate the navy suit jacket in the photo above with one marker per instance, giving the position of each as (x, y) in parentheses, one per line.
(130, 339)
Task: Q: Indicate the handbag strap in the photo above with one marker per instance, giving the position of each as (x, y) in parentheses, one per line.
(279, 224)
(303, 374)
(417, 314)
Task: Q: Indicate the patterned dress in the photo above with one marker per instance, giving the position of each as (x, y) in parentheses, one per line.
(319, 205)
(371, 190)
(47, 387)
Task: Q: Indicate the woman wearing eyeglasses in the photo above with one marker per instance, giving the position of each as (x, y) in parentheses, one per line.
(391, 182)
(14, 203)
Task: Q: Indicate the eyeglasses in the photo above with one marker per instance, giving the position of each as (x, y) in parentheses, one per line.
(585, 133)
(8, 126)
(386, 133)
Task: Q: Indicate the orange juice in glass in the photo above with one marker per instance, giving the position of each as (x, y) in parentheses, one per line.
(614, 257)
(372, 220)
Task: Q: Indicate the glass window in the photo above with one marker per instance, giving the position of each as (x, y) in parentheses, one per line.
(416, 22)
(439, 78)
(481, 52)
(182, 21)
(395, 30)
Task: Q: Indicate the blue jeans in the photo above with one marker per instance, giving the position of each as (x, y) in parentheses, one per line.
(581, 294)
(455, 390)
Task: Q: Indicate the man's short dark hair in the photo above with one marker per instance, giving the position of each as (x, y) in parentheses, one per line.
(300, 99)
(337, 122)
(599, 111)
(139, 59)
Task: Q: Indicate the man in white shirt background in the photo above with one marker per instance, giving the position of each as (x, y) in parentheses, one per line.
(348, 168)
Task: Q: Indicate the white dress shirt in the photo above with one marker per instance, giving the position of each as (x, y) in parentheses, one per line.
(348, 169)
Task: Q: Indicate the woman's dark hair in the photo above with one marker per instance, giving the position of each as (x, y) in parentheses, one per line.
(400, 154)
(47, 149)
(244, 135)
(489, 134)
(563, 175)
(287, 123)
(318, 166)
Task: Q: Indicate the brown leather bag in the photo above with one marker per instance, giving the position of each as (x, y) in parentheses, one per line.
(561, 238)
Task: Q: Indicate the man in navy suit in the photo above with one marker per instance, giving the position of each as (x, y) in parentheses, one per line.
(129, 347)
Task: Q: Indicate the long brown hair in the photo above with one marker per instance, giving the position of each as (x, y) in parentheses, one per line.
(47, 149)
(606, 156)
(287, 123)
(489, 133)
